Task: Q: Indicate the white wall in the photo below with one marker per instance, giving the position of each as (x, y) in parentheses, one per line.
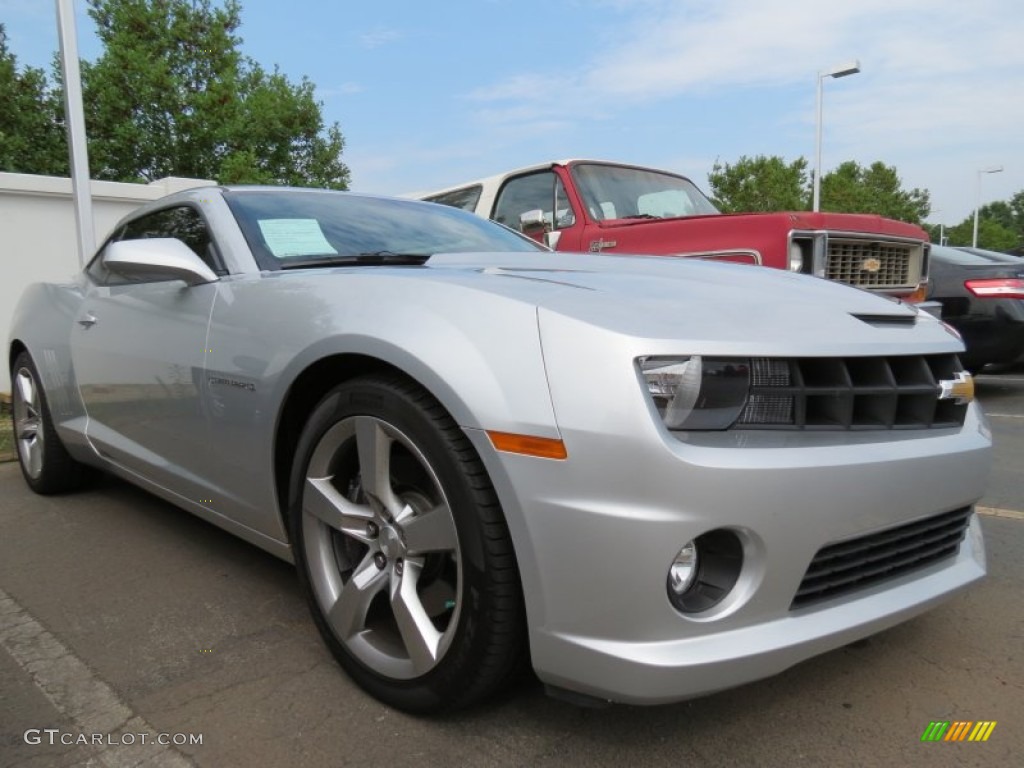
(38, 239)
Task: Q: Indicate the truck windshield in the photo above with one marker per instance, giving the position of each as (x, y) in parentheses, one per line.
(619, 192)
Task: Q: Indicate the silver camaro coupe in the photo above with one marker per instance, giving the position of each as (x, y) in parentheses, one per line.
(648, 478)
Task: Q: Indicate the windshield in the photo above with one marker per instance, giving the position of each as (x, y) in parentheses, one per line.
(617, 192)
(300, 227)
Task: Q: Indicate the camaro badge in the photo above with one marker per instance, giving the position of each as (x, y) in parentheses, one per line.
(960, 388)
(596, 246)
(247, 385)
(871, 265)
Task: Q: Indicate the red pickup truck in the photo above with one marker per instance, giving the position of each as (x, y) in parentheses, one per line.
(588, 205)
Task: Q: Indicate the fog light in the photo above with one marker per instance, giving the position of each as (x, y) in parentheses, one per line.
(683, 570)
(705, 571)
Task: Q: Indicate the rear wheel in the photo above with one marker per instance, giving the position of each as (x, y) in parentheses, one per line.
(45, 463)
(402, 548)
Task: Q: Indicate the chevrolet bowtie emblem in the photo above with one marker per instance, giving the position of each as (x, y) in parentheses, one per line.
(960, 388)
(871, 265)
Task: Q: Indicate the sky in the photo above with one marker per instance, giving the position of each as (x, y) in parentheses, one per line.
(432, 94)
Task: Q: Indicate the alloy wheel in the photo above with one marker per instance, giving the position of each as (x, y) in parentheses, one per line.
(28, 422)
(382, 547)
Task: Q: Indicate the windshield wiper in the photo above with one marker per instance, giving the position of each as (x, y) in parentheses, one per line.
(389, 258)
(641, 216)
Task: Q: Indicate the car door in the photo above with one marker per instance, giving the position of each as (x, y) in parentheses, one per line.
(139, 349)
(540, 191)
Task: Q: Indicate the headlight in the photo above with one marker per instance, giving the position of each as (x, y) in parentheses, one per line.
(796, 257)
(696, 392)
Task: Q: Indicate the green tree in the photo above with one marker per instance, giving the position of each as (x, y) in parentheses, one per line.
(933, 230)
(171, 95)
(999, 212)
(1017, 208)
(991, 234)
(1009, 214)
(31, 137)
(759, 184)
(852, 188)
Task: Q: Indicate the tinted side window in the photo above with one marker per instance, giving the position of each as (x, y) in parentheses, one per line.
(184, 223)
(465, 198)
(538, 191)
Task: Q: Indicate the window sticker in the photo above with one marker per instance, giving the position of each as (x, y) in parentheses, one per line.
(295, 237)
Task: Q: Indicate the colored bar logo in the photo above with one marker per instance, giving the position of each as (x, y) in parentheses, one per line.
(958, 730)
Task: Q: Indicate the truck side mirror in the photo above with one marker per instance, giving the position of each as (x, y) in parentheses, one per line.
(533, 222)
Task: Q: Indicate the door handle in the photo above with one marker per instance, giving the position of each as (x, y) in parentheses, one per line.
(88, 321)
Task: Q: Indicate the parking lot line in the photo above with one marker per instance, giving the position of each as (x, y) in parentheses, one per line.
(81, 696)
(1005, 415)
(1010, 514)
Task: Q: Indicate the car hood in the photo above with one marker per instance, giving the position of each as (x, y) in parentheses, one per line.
(842, 222)
(754, 309)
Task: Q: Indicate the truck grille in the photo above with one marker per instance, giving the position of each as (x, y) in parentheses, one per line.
(854, 393)
(850, 565)
(874, 264)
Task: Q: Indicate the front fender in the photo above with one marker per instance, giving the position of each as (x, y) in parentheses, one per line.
(42, 322)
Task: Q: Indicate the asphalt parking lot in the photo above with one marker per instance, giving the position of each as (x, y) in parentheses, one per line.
(122, 616)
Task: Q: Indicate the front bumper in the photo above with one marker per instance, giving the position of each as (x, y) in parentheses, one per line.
(664, 671)
(595, 536)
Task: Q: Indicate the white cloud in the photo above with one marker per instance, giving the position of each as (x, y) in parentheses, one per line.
(380, 36)
(527, 87)
(688, 46)
(941, 90)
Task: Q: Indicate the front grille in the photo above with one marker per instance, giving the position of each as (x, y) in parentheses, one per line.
(847, 566)
(855, 393)
(874, 264)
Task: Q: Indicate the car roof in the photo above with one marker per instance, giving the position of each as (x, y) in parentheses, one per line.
(972, 256)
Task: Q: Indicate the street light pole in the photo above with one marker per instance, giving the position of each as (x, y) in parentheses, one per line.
(74, 117)
(977, 199)
(849, 68)
(942, 227)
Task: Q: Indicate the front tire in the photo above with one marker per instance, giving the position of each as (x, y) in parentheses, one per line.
(402, 548)
(45, 463)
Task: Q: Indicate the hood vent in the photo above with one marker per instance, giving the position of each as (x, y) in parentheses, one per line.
(888, 321)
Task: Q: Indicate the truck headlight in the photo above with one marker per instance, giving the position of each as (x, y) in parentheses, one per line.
(796, 257)
(696, 392)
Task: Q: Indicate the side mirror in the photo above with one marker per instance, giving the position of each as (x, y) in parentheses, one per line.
(158, 258)
(533, 222)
